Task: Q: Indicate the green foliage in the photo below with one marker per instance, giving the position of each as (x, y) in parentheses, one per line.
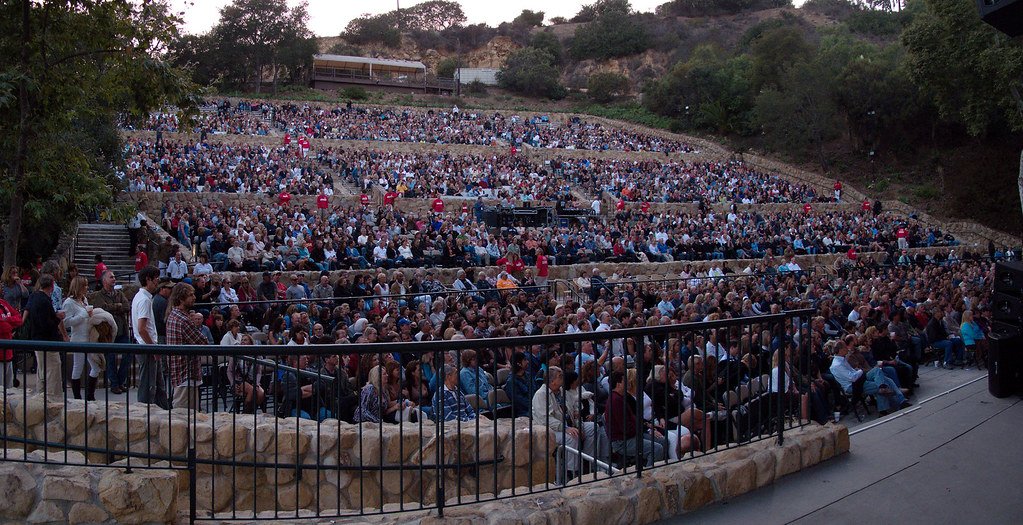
(62, 85)
(344, 48)
(709, 91)
(546, 41)
(354, 93)
(476, 88)
(433, 15)
(607, 86)
(966, 66)
(531, 71)
(529, 18)
(609, 36)
(603, 8)
(774, 51)
(383, 29)
(837, 9)
(799, 114)
(629, 112)
(252, 39)
(447, 67)
(693, 8)
(878, 23)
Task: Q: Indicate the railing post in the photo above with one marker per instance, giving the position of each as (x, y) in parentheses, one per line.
(639, 408)
(782, 389)
(438, 360)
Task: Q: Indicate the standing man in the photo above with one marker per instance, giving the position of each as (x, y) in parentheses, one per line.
(114, 302)
(542, 268)
(143, 322)
(177, 268)
(322, 203)
(43, 325)
(134, 225)
(183, 370)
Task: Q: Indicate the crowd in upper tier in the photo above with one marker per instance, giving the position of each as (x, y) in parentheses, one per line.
(437, 126)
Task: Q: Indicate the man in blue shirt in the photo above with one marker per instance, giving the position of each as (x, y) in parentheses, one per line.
(451, 403)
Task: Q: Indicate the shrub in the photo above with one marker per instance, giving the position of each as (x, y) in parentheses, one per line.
(607, 86)
(354, 93)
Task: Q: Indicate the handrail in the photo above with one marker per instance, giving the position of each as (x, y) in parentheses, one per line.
(399, 347)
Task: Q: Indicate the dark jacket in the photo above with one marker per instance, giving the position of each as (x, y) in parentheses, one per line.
(42, 320)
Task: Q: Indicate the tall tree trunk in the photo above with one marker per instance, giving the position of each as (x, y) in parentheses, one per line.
(21, 156)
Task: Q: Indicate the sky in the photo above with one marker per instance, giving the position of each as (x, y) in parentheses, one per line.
(329, 17)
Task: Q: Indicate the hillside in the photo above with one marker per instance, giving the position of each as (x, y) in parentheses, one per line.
(898, 102)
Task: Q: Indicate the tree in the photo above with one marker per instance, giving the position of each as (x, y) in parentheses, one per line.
(608, 36)
(799, 115)
(968, 68)
(447, 67)
(607, 86)
(602, 8)
(548, 42)
(266, 33)
(434, 15)
(529, 18)
(367, 29)
(774, 51)
(530, 71)
(76, 65)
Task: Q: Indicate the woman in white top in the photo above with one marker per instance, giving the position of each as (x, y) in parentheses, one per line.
(77, 314)
(227, 294)
(233, 337)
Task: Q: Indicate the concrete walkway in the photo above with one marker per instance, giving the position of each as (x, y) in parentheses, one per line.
(953, 458)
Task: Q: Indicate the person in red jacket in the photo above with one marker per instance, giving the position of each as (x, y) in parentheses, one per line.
(10, 320)
(322, 203)
(645, 207)
(866, 205)
(542, 267)
(364, 199)
(807, 208)
(620, 205)
(838, 190)
(287, 139)
(902, 237)
(141, 259)
(438, 205)
(283, 198)
(390, 197)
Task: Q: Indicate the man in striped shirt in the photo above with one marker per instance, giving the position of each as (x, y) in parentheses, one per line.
(183, 370)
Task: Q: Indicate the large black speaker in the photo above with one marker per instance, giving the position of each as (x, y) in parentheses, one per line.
(1009, 277)
(1005, 15)
(1007, 308)
(1004, 361)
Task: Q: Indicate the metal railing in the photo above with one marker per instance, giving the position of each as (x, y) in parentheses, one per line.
(489, 418)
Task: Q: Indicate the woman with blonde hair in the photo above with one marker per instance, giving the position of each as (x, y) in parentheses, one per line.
(78, 321)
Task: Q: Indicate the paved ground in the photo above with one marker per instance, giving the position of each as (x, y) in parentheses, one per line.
(954, 457)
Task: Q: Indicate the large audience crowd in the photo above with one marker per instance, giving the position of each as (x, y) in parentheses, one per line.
(255, 237)
(865, 328)
(436, 126)
(868, 331)
(175, 165)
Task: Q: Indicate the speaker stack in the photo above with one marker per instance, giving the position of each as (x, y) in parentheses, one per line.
(1005, 360)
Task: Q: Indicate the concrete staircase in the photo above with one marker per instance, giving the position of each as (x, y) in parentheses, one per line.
(109, 240)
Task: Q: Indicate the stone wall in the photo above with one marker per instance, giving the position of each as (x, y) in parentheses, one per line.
(265, 441)
(76, 494)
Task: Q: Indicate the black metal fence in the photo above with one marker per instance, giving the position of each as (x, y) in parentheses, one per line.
(280, 432)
